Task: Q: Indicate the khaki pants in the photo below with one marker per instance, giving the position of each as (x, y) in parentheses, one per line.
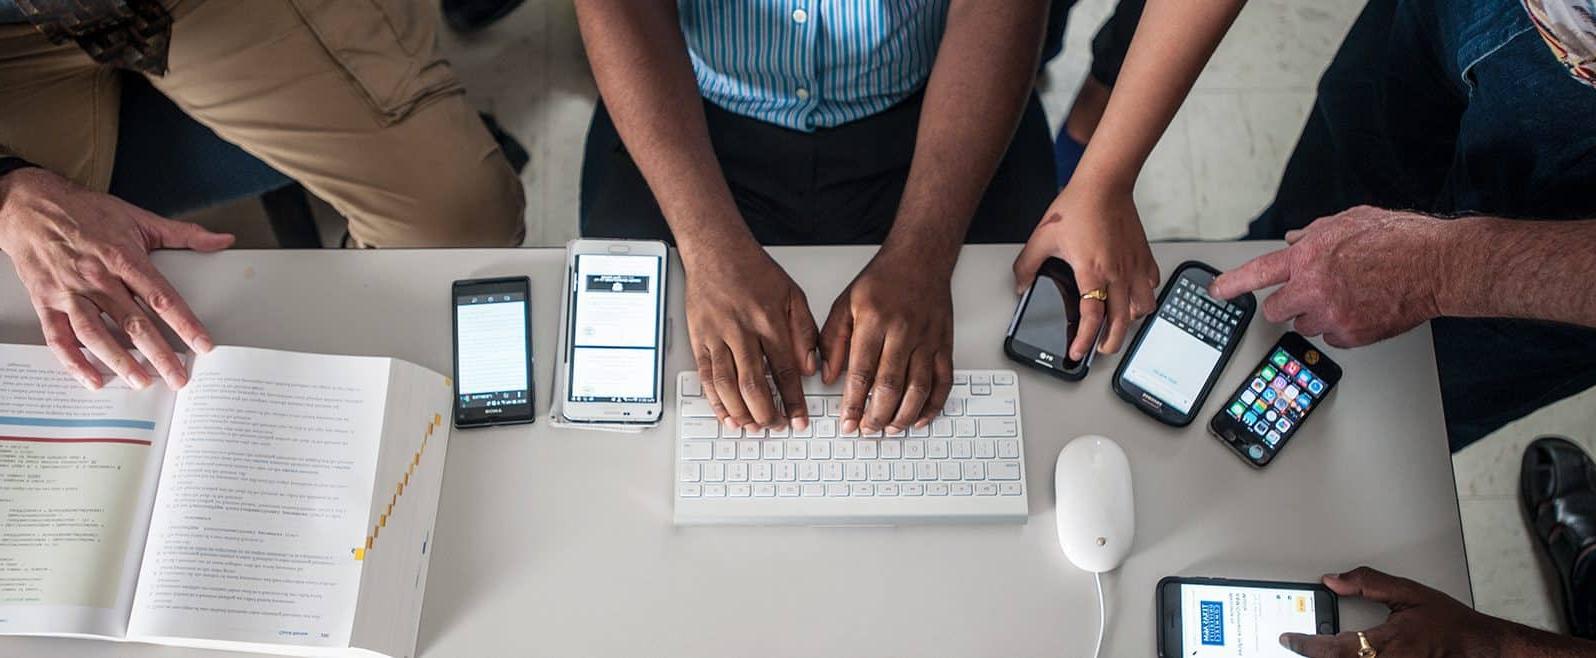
(349, 97)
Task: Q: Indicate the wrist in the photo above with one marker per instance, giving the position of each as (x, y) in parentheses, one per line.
(1461, 261)
(918, 251)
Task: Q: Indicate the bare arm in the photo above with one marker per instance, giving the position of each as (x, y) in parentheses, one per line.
(979, 85)
(1520, 269)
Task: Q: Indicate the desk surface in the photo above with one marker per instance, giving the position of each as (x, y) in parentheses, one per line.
(560, 543)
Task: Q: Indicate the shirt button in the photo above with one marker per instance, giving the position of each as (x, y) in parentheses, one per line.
(803, 94)
(800, 16)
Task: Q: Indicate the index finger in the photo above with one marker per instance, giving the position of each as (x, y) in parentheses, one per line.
(149, 285)
(864, 354)
(785, 370)
(1343, 645)
(1270, 269)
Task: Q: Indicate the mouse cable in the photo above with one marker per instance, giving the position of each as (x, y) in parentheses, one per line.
(1102, 616)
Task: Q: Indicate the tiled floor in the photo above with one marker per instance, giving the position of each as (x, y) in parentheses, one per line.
(1217, 166)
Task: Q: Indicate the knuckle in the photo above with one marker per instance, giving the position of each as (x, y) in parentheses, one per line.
(160, 301)
(889, 383)
(860, 377)
(785, 372)
(751, 385)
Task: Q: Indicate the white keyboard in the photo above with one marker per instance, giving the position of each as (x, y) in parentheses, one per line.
(967, 466)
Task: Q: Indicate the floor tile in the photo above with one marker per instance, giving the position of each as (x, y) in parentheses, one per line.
(1505, 565)
(1239, 144)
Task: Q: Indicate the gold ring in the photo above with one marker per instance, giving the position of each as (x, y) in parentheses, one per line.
(1098, 294)
(1365, 650)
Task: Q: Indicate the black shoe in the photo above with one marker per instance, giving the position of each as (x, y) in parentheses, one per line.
(1557, 487)
(513, 151)
(473, 15)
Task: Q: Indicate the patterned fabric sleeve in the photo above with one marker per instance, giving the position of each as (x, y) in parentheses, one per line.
(1569, 28)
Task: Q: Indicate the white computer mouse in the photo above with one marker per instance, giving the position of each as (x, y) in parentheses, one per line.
(1095, 504)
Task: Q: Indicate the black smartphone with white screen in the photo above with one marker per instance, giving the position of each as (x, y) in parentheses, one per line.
(1224, 618)
(1274, 401)
(1180, 351)
(1046, 322)
(492, 352)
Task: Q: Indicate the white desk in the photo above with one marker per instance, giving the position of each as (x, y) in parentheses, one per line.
(560, 543)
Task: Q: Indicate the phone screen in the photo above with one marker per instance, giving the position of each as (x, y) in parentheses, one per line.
(1050, 318)
(614, 332)
(493, 365)
(1225, 621)
(1276, 398)
(1184, 342)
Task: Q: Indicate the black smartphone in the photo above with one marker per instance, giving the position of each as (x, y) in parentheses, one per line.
(1046, 321)
(1180, 351)
(492, 352)
(1224, 618)
(1276, 398)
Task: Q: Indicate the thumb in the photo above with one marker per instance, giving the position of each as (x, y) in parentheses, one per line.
(1027, 263)
(170, 234)
(1363, 582)
(1313, 646)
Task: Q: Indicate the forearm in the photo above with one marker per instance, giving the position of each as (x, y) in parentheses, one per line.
(1525, 642)
(984, 70)
(1519, 269)
(1173, 41)
(640, 62)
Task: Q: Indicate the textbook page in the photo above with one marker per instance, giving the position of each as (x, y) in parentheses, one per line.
(403, 512)
(77, 478)
(263, 497)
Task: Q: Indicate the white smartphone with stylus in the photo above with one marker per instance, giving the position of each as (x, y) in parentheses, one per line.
(615, 333)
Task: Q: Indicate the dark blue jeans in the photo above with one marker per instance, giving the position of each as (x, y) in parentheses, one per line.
(1456, 107)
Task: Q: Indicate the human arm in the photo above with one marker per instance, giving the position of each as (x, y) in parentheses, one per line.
(1425, 622)
(1093, 224)
(1368, 274)
(743, 311)
(891, 330)
(81, 254)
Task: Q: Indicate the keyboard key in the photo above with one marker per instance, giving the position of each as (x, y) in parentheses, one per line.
(755, 434)
(1003, 470)
(879, 471)
(948, 470)
(760, 471)
(836, 490)
(691, 387)
(985, 449)
(770, 450)
(986, 489)
(830, 471)
(925, 471)
(953, 407)
(700, 428)
(980, 379)
(764, 490)
(936, 489)
(1003, 378)
(780, 432)
(842, 449)
(731, 432)
(1008, 449)
(834, 407)
(961, 378)
(714, 472)
(888, 489)
(891, 449)
(936, 449)
(784, 472)
(787, 490)
(824, 428)
(1000, 427)
(902, 471)
(808, 471)
(980, 389)
(918, 432)
(961, 449)
(689, 473)
(914, 450)
(855, 471)
(960, 489)
(964, 427)
(865, 449)
(807, 432)
(1009, 488)
(942, 427)
(974, 470)
(862, 489)
(696, 408)
(738, 490)
(697, 450)
(714, 491)
(815, 406)
(688, 491)
(725, 450)
(912, 489)
(737, 472)
(797, 450)
(811, 490)
(989, 407)
(820, 450)
(748, 450)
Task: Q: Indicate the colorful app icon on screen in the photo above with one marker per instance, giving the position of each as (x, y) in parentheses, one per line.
(1236, 409)
(1304, 401)
(1283, 425)
(1259, 406)
(1273, 438)
(1250, 418)
(1279, 358)
(1278, 384)
(1257, 385)
(1291, 367)
(1269, 395)
(1292, 392)
(1303, 378)
(1261, 428)
(1316, 387)
(1270, 415)
(1248, 396)
(1267, 373)
(1282, 402)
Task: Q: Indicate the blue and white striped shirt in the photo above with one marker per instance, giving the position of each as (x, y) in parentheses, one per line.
(807, 64)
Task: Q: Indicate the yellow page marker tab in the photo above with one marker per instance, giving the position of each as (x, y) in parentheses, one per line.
(360, 555)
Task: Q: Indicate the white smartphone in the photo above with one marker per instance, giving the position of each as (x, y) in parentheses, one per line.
(615, 331)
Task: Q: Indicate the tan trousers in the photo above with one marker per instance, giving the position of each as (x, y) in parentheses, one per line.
(349, 97)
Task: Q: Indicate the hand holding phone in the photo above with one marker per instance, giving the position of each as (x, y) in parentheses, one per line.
(1047, 321)
(1181, 350)
(1223, 618)
(492, 352)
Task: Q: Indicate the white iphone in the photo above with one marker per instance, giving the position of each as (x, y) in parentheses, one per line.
(615, 331)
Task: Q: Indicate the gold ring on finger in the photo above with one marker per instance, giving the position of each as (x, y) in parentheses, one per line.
(1365, 650)
(1098, 294)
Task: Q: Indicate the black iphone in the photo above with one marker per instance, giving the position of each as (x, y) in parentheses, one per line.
(492, 352)
(1275, 400)
(1179, 351)
(1046, 321)
(1224, 618)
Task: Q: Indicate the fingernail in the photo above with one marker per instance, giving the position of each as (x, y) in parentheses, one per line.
(86, 382)
(801, 423)
(729, 423)
(204, 344)
(1331, 576)
(922, 422)
(139, 380)
(850, 425)
(810, 363)
(751, 427)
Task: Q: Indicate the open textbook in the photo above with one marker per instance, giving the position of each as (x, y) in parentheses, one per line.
(279, 503)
